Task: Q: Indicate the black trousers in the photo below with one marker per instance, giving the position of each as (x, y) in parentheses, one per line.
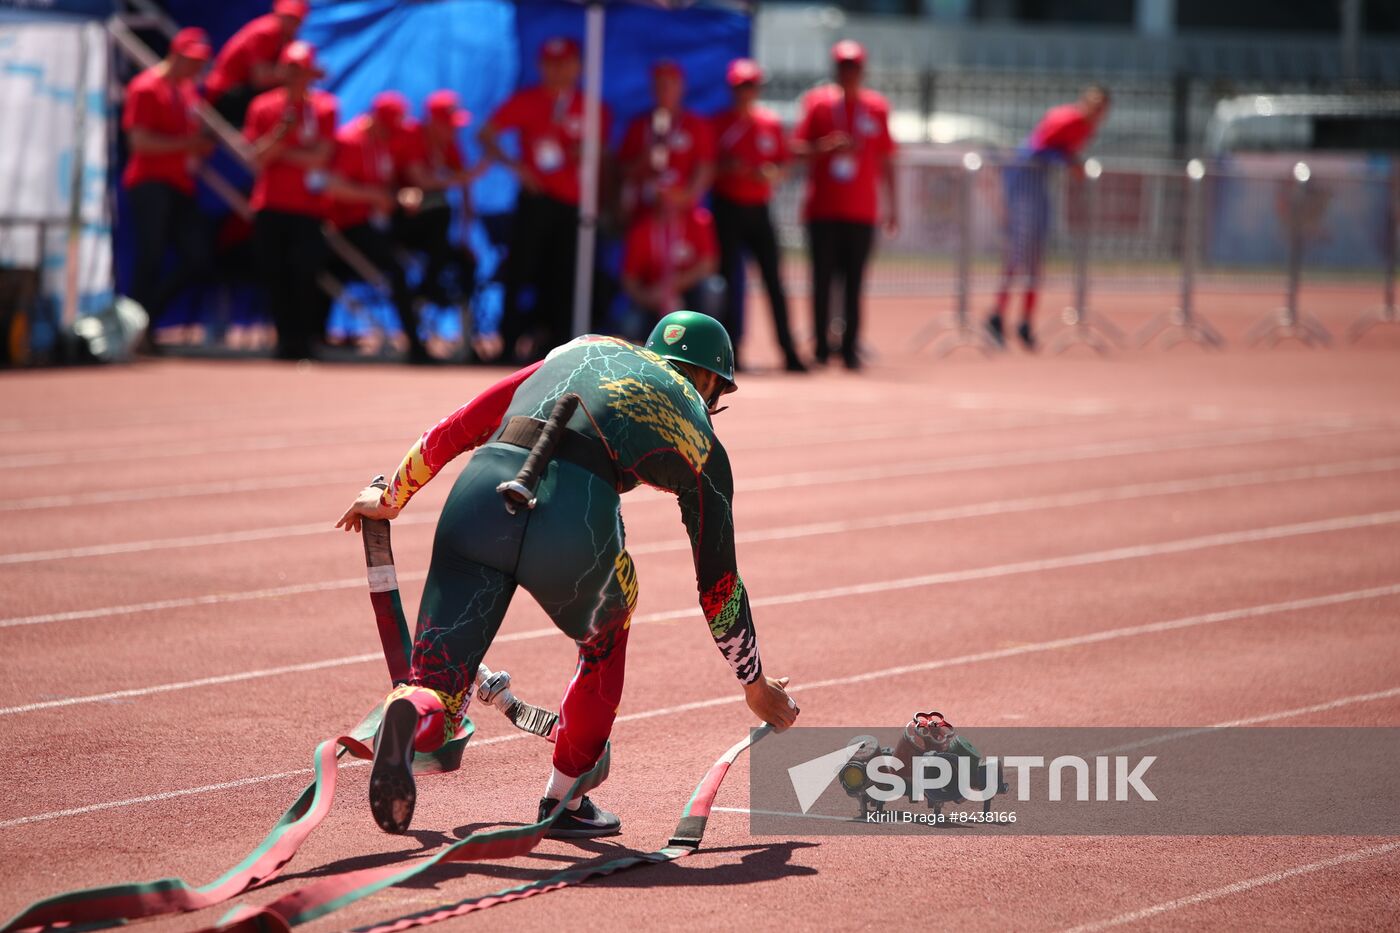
(429, 232)
(541, 256)
(291, 252)
(378, 247)
(748, 228)
(839, 249)
(232, 105)
(164, 217)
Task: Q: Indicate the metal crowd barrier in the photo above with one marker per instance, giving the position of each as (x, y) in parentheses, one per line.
(1118, 227)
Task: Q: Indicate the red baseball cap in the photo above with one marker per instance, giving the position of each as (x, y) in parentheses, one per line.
(744, 71)
(193, 43)
(300, 54)
(558, 48)
(297, 9)
(389, 108)
(443, 107)
(848, 50)
(667, 66)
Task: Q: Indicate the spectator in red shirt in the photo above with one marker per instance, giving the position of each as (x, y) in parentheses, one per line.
(166, 144)
(363, 189)
(247, 65)
(751, 151)
(547, 121)
(429, 160)
(292, 129)
(844, 133)
(1059, 137)
(666, 147)
(670, 254)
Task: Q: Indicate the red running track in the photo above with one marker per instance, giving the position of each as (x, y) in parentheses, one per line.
(171, 578)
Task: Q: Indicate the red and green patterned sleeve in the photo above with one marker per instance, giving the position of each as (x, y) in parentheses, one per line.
(469, 426)
(707, 511)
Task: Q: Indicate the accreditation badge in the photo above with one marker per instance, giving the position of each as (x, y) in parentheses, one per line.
(316, 180)
(549, 156)
(842, 166)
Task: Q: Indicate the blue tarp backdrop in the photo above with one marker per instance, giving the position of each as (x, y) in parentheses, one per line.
(484, 49)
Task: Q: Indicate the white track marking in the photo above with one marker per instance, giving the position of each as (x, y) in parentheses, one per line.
(1239, 887)
(187, 602)
(190, 541)
(532, 634)
(162, 492)
(1065, 500)
(781, 481)
(1037, 456)
(1249, 612)
(955, 576)
(160, 450)
(212, 788)
(1249, 721)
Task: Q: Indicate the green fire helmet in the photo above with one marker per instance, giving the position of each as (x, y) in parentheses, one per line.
(695, 338)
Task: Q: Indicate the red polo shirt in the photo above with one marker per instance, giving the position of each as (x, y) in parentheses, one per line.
(845, 185)
(666, 159)
(282, 185)
(1063, 129)
(161, 106)
(657, 247)
(743, 145)
(361, 158)
(551, 136)
(410, 146)
(260, 40)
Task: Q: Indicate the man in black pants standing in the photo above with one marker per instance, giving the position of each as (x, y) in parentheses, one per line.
(844, 132)
(548, 122)
(751, 152)
(292, 129)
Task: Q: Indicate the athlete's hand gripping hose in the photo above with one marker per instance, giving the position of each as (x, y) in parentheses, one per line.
(769, 701)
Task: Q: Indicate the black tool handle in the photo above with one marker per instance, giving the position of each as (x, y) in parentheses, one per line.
(522, 491)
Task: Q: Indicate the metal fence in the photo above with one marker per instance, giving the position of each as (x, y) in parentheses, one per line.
(970, 221)
(1150, 115)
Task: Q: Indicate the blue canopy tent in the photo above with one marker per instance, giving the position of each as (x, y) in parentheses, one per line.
(485, 49)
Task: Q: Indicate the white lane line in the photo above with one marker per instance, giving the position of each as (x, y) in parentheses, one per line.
(211, 599)
(781, 481)
(186, 542)
(1249, 612)
(211, 788)
(162, 492)
(159, 450)
(801, 816)
(1035, 456)
(1098, 556)
(928, 516)
(1239, 887)
(1064, 500)
(1251, 721)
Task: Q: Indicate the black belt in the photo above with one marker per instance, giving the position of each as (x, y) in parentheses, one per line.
(578, 449)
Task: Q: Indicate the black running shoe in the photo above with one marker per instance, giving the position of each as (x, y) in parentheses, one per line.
(391, 790)
(587, 822)
(1027, 335)
(995, 331)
